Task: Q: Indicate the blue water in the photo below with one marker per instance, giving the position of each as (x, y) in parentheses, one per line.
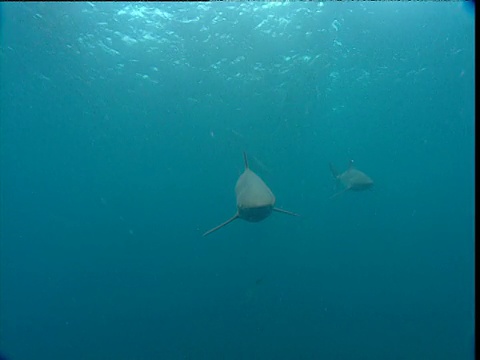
(122, 133)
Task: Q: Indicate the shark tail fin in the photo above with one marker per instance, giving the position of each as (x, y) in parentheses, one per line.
(245, 159)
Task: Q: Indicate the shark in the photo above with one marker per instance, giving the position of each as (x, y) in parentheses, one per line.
(255, 200)
(351, 179)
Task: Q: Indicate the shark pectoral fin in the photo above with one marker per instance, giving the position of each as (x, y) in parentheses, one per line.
(284, 211)
(339, 193)
(221, 225)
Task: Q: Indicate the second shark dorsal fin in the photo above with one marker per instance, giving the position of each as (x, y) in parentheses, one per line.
(245, 159)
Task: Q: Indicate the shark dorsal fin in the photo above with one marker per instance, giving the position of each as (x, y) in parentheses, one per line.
(245, 159)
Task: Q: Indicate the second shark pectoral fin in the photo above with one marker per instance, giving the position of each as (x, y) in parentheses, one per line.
(285, 211)
(334, 171)
(221, 225)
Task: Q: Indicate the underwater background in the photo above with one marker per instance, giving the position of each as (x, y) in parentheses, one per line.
(122, 132)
